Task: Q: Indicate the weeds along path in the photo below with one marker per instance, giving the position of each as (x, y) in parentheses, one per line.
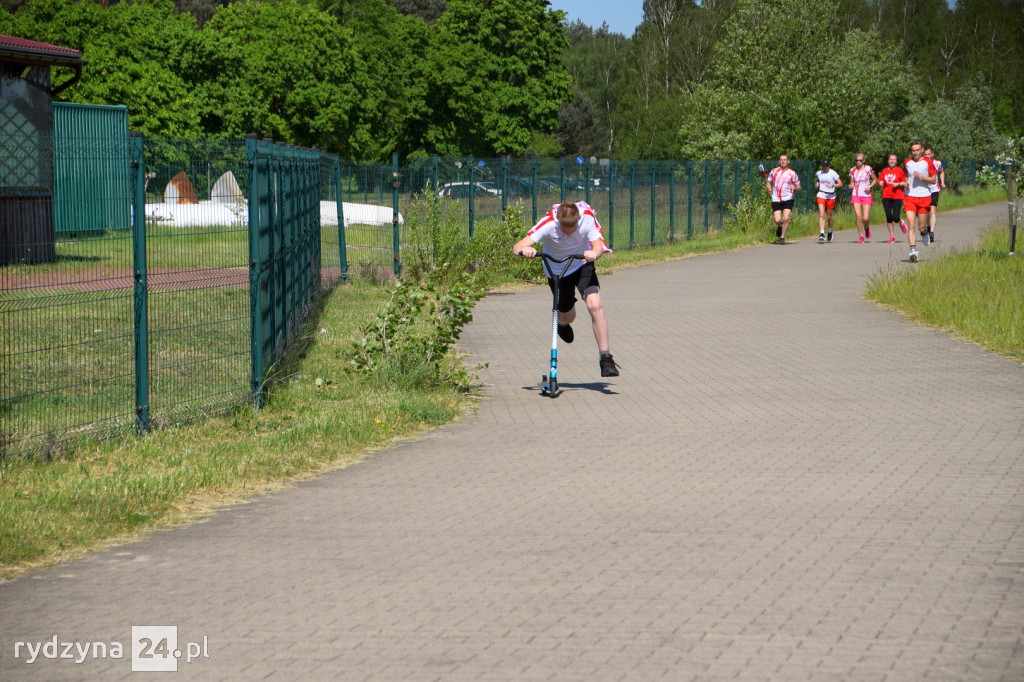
(786, 482)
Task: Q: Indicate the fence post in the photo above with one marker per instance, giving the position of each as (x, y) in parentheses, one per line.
(561, 180)
(689, 200)
(395, 239)
(586, 181)
(252, 157)
(472, 194)
(671, 201)
(721, 192)
(632, 202)
(533, 183)
(342, 248)
(611, 203)
(706, 210)
(503, 169)
(654, 181)
(1011, 198)
(138, 165)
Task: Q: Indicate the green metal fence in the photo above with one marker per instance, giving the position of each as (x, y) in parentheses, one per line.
(156, 321)
(639, 203)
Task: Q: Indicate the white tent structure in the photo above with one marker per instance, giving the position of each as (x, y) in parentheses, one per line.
(218, 212)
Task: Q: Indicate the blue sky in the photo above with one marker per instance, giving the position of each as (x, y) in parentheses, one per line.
(622, 16)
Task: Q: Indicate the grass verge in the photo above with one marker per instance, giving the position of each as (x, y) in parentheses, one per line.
(976, 294)
(318, 417)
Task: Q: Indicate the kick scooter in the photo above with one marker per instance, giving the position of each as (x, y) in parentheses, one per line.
(549, 382)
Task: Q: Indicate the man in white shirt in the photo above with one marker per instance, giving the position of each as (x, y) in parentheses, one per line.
(917, 199)
(826, 181)
(782, 182)
(939, 184)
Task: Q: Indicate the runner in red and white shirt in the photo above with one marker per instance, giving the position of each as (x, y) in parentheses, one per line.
(570, 228)
(934, 188)
(893, 180)
(782, 183)
(862, 179)
(917, 198)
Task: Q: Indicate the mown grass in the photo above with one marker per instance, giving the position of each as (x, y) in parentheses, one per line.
(318, 416)
(976, 293)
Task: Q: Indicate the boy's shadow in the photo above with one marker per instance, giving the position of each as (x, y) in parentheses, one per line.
(599, 386)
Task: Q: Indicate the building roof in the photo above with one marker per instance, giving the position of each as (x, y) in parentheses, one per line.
(24, 51)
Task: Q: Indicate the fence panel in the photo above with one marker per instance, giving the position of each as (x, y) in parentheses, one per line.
(197, 276)
(151, 322)
(66, 312)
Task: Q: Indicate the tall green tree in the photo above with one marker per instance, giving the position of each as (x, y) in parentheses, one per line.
(288, 71)
(136, 54)
(788, 80)
(496, 76)
(597, 61)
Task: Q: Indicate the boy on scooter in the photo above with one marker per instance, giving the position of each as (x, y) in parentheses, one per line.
(566, 229)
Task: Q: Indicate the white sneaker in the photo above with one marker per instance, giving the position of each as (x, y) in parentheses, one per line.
(913, 256)
(926, 239)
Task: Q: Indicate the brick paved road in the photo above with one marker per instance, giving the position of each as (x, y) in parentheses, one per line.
(787, 482)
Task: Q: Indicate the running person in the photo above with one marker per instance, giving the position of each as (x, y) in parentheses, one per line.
(782, 182)
(893, 180)
(566, 229)
(862, 179)
(826, 181)
(917, 199)
(935, 187)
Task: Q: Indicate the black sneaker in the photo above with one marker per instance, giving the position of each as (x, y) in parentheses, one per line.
(778, 231)
(931, 237)
(821, 238)
(608, 366)
(781, 241)
(565, 333)
(867, 232)
(829, 237)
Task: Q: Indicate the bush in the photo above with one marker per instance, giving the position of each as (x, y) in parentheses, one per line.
(405, 348)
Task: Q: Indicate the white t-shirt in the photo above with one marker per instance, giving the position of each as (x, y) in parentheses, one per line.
(783, 183)
(861, 181)
(557, 244)
(938, 169)
(827, 183)
(918, 187)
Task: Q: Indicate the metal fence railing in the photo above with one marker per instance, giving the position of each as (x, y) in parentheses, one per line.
(174, 310)
(639, 203)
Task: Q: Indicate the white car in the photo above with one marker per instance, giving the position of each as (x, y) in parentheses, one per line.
(460, 190)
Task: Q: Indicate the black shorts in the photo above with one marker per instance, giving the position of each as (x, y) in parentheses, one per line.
(582, 279)
(781, 205)
(935, 198)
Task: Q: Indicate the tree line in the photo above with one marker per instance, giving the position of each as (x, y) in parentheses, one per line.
(698, 80)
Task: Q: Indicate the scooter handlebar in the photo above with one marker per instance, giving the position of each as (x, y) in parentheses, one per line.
(552, 259)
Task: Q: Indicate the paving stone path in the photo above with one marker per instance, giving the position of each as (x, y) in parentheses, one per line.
(786, 482)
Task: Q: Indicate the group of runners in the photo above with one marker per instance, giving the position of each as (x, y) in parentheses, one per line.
(572, 227)
(913, 187)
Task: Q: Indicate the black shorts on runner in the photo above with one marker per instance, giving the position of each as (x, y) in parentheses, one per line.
(935, 198)
(582, 279)
(782, 205)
